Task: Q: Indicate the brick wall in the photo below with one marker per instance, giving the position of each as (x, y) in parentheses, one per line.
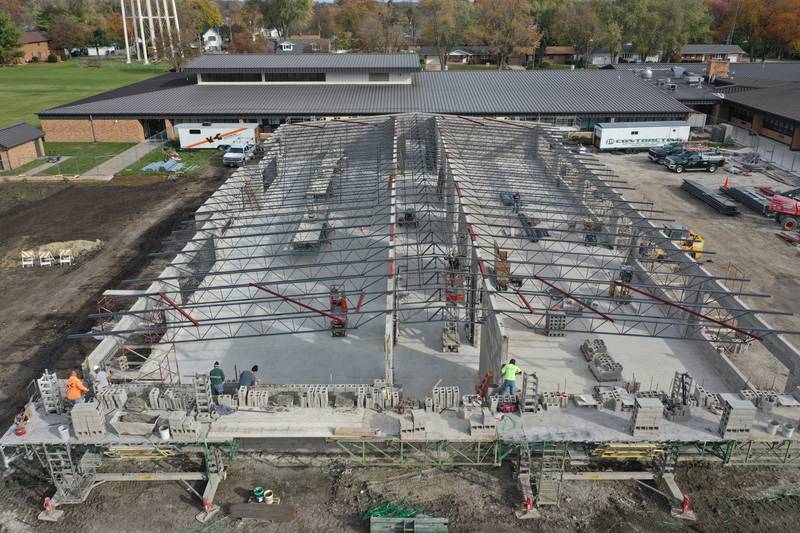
(40, 50)
(82, 130)
(19, 155)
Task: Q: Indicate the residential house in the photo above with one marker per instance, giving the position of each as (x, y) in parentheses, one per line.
(212, 40)
(559, 54)
(34, 44)
(603, 56)
(703, 53)
(19, 144)
(302, 44)
(479, 55)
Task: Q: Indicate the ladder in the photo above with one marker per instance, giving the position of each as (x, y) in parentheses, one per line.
(50, 393)
(71, 487)
(550, 474)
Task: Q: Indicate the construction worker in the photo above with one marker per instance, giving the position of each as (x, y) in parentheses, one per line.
(509, 372)
(100, 379)
(75, 388)
(248, 377)
(217, 377)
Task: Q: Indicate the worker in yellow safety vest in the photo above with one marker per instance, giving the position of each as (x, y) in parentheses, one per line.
(509, 372)
(75, 388)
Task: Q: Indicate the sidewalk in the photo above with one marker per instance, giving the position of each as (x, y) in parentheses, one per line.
(108, 169)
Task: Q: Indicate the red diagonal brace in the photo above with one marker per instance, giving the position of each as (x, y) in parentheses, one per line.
(170, 302)
(687, 310)
(298, 303)
(361, 299)
(525, 301)
(574, 299)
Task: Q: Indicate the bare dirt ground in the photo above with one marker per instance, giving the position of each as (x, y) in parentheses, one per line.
(39, 306)
(747, 242)
(330, 496)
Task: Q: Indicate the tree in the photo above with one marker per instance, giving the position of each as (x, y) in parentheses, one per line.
(47, 14)
(66, 33)
(13, 8)
(577, 24)
(381, 30)
(206, 13)
(98, 38)
(349, 17)
(9, 40)
(444, 25)
(507, 27)
(286, 16)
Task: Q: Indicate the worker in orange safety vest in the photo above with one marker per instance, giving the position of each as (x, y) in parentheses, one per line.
(75, 388)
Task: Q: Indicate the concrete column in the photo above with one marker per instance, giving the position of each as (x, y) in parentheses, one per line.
(125, 32)
(796, 138)
(152, 28)
(141, 31)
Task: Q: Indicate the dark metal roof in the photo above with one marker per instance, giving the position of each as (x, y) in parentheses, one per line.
(538, 92)
(765, 71)
(304, 63)
(17, 134)
(690, 49)
(781, 100)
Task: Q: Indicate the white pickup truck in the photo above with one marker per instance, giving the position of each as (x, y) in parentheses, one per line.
(239, 154)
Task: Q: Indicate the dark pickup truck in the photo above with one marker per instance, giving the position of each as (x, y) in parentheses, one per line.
(659, 153)
(707, 161)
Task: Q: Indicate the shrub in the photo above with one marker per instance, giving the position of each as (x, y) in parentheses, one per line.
(34, 59)
(52, 58)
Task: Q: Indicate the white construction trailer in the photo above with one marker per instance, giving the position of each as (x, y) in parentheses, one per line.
(195, 136)
(639, 135)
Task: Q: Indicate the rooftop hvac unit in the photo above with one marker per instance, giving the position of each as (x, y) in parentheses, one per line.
(672, 87)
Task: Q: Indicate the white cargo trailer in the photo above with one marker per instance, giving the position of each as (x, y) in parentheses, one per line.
(639, 135)
(194, 136)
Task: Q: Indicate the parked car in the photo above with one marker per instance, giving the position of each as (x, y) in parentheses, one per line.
(659, 153)
(707, 161)
(239, 154)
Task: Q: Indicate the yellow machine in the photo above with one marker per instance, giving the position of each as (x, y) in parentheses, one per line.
(689, 241)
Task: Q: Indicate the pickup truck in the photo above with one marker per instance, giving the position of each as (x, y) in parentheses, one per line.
(709, 162)
(659, 153)
(239, 154)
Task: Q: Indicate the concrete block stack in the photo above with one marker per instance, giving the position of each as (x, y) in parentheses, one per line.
(203, 400)
(377, 397)
(428, 404)
(555, 323)
(646, 418)
(183, 426)
(592, 347)
(709, 400)
(737, 417)
(315, 397)
(496, 401)
(483, 425)
(114, 397)
(415, 427)
(88, 421)
(605, 368)
(529, 397)
(445, 398)
(168, 400)
(255, 399)
(226, 400)
(553, 400)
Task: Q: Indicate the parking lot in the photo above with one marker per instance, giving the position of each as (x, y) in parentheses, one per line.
(742, 246)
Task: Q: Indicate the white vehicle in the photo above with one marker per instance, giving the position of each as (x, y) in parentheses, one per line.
(195, 136)
(639, 135)
(239, 154)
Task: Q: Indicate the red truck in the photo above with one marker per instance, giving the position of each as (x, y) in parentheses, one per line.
(786, 207)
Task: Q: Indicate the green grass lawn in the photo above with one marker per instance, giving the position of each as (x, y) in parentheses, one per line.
(24, 168)
(27, 89)
(196, 161)
(82, 156)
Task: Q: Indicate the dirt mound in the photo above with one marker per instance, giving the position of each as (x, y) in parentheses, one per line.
(79, 248)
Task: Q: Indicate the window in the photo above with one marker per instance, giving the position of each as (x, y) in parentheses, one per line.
(230, 77)
(634, 133)
(778, 124)
(741, 113)
(194, 132)
(212, 38)
(378, 76)
(284, 77)
(287, 46)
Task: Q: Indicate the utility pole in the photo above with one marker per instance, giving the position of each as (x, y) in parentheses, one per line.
(125, 32)
(729, 40)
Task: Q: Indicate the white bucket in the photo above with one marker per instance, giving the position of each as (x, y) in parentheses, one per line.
(269, 496)
(788, 430)
(163, 432)
(772, 427)
(63, 432)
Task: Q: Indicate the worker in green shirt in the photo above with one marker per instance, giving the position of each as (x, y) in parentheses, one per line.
(217, 378)
(509, 372)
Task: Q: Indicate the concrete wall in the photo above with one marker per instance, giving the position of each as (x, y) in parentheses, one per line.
(19, 155)
(493, 339)
(93, 130)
